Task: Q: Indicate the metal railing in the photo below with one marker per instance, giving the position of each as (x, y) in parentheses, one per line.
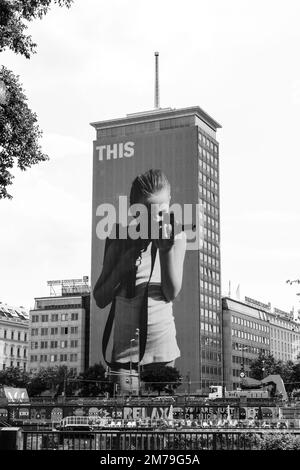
(141, 440)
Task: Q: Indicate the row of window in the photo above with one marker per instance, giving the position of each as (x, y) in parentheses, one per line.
(209, 342)
(210, 300)
(210, 234)
(210, 314)
(250, 349)
(209, 170)
(54, 317)
(210, 273)
(284, 335)
(250, 324)
(209, 287)
(205, 141)
(211, 247)
(15, 335)
(18, 364)
(207, 259)
(40, 306)
(12, 351)
(249, 336)
(210, 327)
(54, 357)
(211, 355)
(54, 331)
(209, 182)
(240, 360)
(210, 209)
(209, 195)
(54, 344)
(210, 370)
(279, 345)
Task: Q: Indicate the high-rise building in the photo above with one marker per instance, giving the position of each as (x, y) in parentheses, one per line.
(14, 324)
(59, 328)
(251, 328)
(182, 143)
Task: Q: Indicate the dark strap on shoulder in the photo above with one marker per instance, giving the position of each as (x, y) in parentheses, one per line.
(143, 324)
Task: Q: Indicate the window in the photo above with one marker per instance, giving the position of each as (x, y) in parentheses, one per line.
(44, 344)
(12, 351)
(44, 331)
(64, 317)
(19, 336)
(73, 357)
(33, 359)
(63, 357)
(64, 344)
(34, 345)
(53, 344)
(64, 331)
(74, 343)
(35, 318)
(43, 358)
(74, 329)
(53, 358)
(25, 355)
(25, 336)
(5, 334)
(54, 317)
(12, 335)
(54, 331)
(18, 352)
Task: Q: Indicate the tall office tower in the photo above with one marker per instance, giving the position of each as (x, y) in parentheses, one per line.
(182, 143)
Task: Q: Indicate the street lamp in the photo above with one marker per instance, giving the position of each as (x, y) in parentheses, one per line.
(137, 334)
(130, 364)
(242, 373)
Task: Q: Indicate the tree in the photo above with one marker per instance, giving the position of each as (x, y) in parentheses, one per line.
(14, 377)
(94, 382)
(158, 377)
(266, 365)
(19, 132)
(55, 380)
(14, 15)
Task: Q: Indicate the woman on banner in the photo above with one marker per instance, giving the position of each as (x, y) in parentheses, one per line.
(141, 278)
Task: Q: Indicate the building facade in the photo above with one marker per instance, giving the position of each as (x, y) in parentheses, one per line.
(284, 335)
(183, 144)
(59, 332)
(14, 324)
(251, 328)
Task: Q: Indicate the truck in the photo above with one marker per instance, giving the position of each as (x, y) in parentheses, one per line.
(271, 386)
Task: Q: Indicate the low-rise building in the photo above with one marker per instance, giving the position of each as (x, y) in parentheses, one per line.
(59, 329)
(14, 323)
(251, 328)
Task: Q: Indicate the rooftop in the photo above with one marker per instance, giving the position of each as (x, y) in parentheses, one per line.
(13, 313)
(156, 114)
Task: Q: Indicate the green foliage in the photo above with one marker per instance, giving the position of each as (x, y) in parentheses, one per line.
(14, 16)
(284, 441)
(14, 377)
(19, 132)
(52, 379)
(89, 387)
(158, 378)
(289, 371)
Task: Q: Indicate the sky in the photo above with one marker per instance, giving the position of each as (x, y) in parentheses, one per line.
(238, 60)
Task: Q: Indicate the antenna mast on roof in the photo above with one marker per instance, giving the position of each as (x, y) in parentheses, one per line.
(156, 93)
